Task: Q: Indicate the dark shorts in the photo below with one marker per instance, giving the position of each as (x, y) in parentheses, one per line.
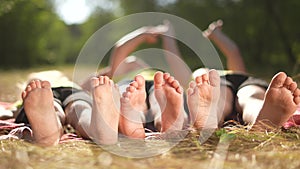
(235, 82)
(63, 96)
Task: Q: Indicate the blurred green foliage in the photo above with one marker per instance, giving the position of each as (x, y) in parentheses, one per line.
(267, 31)
(30, 35)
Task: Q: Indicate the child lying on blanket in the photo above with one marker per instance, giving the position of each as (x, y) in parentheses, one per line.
(102, 117)
(50, 104)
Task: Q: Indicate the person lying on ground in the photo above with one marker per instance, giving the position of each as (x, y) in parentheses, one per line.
(246, 95)
(203, 97)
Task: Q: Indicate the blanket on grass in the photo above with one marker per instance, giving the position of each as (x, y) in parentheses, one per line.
(9, 129)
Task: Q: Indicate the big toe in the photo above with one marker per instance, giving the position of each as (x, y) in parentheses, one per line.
(45, 84)
(94, 82)
(278, 80)
(158, 79)
(140, 81)
(214, 78)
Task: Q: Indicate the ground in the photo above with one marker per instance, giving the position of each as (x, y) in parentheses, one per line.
(246, 150)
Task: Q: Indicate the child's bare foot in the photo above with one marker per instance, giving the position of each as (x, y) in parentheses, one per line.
(105, 114)
(132, 107)
(40, 111)
(281, 100)
(214, 27)
(202, 98)
(169, 96)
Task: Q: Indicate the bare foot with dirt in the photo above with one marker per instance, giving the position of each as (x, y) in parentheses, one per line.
(280, 102)
(39, 107)
(133, 106)
(105, 112)
(202, 98)
(169, 96)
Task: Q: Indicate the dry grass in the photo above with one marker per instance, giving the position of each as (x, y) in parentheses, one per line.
(241, 149)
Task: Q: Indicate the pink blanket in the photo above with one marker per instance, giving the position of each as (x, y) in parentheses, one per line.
(294, 121)
(9, 129)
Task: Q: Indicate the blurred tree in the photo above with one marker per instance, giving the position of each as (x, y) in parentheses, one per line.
(99, 18)
(267, 31)
(32, 34)
(133, 6)
(7, 5)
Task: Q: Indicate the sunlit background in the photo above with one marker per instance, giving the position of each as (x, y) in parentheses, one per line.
(52, 32)
(39, 34)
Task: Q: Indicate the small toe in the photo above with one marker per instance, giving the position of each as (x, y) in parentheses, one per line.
(106, 80)
(288, 81)
(192, 84)
(293, 87)
(38, 84)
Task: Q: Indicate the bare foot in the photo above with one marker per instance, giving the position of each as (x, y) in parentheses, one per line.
(214, 27)
(169, 96)
(105, 114)
(202, 98)
(281, 100)
(132, 107)
(40, 111)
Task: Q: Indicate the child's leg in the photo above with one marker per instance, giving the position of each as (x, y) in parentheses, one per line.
(226, 45)
(132, 107)
(225, 104)
(280, 102)
(169, 96)
(97, 120)
(78, 115)
(40, 111)
(155, 110)
(202, 97)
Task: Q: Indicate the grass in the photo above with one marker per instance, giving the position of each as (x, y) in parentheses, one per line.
(247, 149)
(227, 148)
